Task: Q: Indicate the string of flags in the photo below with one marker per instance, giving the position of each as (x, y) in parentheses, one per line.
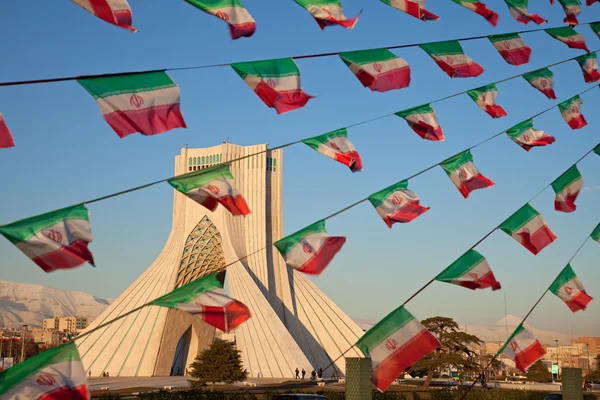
(149, 102)
(325, 12)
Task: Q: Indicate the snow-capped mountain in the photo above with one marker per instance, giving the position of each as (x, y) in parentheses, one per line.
(24, 303)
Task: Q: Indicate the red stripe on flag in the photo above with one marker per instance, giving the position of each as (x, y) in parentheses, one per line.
(281, 102)
(214, 316)
(469, 70)
(576, 44)
(592, 76)
(427, 131)
(147, 121)
(237, 314)
(489, 15)
(517, 56)
(476, 182)
(65, 257)
(486, 281)
(543, 141)
(242, 30)
(347, 23)
(528, 356)
(540, 239)
(103, 10)
(568, 204)
(415, 10)
(406, 213)
(571, 19)
(351, 159)
(236, 205)
(79, 392)
(495, 111)
(395, 79)
(579, 301)
(6, 139)
(577, 122)
(323, 256)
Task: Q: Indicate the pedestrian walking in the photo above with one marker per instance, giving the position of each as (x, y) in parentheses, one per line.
(320, 373)
(303, 373)
(297, 373)
(313, 375)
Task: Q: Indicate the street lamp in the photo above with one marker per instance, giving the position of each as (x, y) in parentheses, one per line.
(556, 341)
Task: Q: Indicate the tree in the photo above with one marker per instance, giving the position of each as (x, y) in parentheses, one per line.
(221, 362)
(454, 351)
(594, 376)
(538, 372)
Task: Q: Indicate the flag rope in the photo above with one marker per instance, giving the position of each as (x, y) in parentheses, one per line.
(300, 57)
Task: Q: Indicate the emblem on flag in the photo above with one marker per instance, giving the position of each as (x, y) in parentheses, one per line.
(54, 235)
(213, 189)
(391, 344)
(223, 16)
(307, 248)
(136, 101)
(45, 380)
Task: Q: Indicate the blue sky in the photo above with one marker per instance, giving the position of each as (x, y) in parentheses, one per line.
(67, 154)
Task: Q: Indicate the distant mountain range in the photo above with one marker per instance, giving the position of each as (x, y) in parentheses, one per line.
(24, 303)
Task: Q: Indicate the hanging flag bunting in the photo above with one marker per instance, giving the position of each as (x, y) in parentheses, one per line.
(596, 28)
(206, 298)
(397, 341)
(512, 48)
(397, 204)
(462, 172)
(596, 234)
(379, 70)
(597, 149)
(147, 103)
(569, 289)
(523, 348)
(337, 146)
(589, 67)
(571, 112)
(54, 240)
(241, 23)
(416, 8)
(572, 9)
(527, 137)
(275, 82)
(568, 36)
(479, 8)
(518, 9)
(116, 12)
(485, 98)
(528, 227)
(310, 249)
(6, 139)
(52, 375)
(211, 187)
(471, 271)
(542, 80)
(328, 13)
(590, 2)
(567, 188)
(423, 121)
(449, 56)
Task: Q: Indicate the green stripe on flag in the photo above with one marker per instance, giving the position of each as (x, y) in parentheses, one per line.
(21, 372)
(422, 109)
(188, 292)
(519, 329)
(450, 47)
(25, 229)
(461, 266)
(570, 176)
(289, 242)
(189, 183)
(475, 94)
(379, 198)
(540, 73)
(596, 234)
(582, 59)
(597, 149)
(561, 32)
(519, 128)
(506, 36)
(277, 68)
(517, 3)
(308, 3)
(128, 83)
(565, 276)
(453, 163)
(367, 56)
(393, 322)
(567, 103)
(519, 219)
(316, 141)
(214, 4)
(595, 27)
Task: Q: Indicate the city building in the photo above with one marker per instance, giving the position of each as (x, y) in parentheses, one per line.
(581, 353)
(65, 324)
(293, 324)
(46, 337)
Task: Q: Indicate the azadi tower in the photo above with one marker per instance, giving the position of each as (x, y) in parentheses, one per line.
(293, 324)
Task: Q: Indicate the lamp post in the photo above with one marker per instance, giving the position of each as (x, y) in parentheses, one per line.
(556, 341)
(23, 328)
(587, 346)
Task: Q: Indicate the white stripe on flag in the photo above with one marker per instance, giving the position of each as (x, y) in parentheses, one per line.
(327, 11)
(383, 66)
(464, 173)
(235, 15)
(61, 234)
(401, 337)
(280, 84)
(572, 188)
(300, 254)
(139, 101)
(389, 206)
(575, 286)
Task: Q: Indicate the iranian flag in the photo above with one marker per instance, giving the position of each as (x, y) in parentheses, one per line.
(589, 67)
(275, 82)
(567, 188)
(572, 9)
(596, 28)
(569, 289)
(394, 344)
(527, 137)
(568, 36)
(328, 13)
(542, 80)
(597, 149)
(590, 2)
(518, 9)
(462, 172)
(528, 227)
(449, 56)
(423, 121)
(241, 23)
(512, 48)
(571, 112)
(55, 374)
(416, 8)
(54, 240)
(471, 271)
(147, 103)
(397, 204)
(596, 234)
(116, 12)
(211, 187)
(337, 146)
(205, 297)
(6, 139)
(479, 8)
(485, 98)
(523, 348)
(310, 249)
(379, 69)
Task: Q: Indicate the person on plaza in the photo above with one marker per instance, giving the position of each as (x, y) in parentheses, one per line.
(297, 373)
(303, 373)
(313, 375)
(320, 373)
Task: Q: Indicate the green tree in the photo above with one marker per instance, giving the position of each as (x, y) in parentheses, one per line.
(594, 376)
(221, 362)
(453, 352)
(538, 372)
